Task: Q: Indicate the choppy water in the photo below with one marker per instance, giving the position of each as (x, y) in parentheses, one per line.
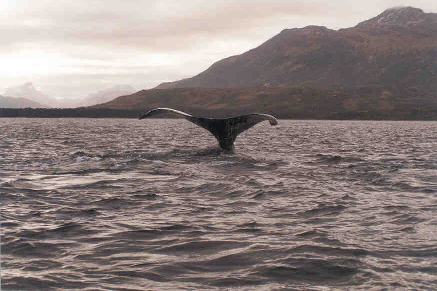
(134, 205)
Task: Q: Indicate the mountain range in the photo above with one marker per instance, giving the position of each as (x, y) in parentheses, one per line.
(385, 66)
(12, 102)
(27, 96)
(105, 95)
(396, 48)
(30, 96)
(382, 68)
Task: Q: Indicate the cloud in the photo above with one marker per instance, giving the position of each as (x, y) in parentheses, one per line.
(149, 25)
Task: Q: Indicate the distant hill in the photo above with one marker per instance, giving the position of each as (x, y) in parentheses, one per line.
(11, 102)
(396, 49)
(29, 92)
(285, 102)
(106, 95)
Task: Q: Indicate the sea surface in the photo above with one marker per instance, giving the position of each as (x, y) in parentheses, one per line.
(118, 204)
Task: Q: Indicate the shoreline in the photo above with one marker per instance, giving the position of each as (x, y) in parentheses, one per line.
(84, 112)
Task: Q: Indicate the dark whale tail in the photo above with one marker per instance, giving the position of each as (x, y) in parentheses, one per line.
(225, 130)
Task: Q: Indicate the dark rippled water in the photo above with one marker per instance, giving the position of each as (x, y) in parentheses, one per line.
(134, 205)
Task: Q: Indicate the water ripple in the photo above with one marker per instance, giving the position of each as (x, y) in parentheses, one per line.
(129, 205)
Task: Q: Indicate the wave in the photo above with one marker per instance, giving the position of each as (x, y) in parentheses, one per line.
(120, 207)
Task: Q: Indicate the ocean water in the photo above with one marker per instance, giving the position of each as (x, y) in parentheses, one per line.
(134, 205)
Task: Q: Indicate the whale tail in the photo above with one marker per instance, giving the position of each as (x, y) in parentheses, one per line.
(225, 130)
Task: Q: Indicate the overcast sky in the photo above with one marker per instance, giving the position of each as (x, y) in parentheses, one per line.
(70, 48)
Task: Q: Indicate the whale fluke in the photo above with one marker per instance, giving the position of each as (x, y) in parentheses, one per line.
(225, 130)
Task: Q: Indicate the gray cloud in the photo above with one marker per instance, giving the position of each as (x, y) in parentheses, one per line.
(152, 25)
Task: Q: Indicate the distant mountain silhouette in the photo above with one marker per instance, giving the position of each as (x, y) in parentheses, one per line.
(383, 68)
(11, 102)
(106, 95)
(28, 91)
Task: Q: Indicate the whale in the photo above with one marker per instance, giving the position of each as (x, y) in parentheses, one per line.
(225, 130)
